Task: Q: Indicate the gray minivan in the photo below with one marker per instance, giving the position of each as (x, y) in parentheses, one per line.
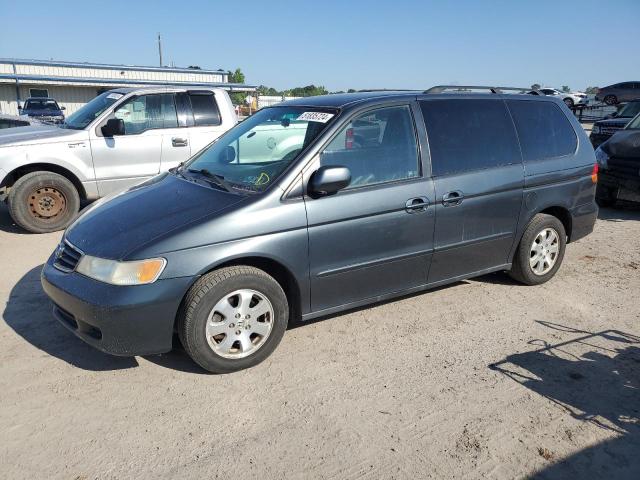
(323, 204)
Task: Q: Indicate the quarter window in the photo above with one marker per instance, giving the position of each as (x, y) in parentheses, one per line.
(544, 131)
(378, 146)
(148, 112)
(467, 135)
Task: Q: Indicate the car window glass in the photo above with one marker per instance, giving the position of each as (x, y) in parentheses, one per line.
(205, 109)
(378, 146)
(469, 134)
(147, 112)
(544, 131)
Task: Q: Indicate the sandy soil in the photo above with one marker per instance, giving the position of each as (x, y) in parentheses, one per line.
(481, 379)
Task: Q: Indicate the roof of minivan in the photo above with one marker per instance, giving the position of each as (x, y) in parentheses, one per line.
(341, 100)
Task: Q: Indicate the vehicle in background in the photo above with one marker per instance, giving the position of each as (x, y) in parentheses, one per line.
(570, 98)
(619, 161)
(236, 243)
(45, 110)
(119, 138)
(602, 130)
(11, 121)
(619, 92)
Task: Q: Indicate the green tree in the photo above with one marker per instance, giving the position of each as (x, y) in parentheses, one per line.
(237, 98)
(565, 89)
(591, 90)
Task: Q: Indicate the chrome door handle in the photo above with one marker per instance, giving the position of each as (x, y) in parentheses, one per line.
(179, 142)
(452, 198)
(417, 204)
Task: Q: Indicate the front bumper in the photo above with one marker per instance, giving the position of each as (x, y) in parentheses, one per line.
(132, 320)
(620, 187)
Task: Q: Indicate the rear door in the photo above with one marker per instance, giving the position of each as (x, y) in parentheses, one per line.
(205, 120)
(478, 176)
(375, 236)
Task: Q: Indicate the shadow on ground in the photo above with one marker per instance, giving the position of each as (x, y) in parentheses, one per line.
(594, 377)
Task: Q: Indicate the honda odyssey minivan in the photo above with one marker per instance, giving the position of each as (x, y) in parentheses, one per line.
(319, 205)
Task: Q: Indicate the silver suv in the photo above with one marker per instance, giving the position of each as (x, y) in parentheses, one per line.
(119, 138)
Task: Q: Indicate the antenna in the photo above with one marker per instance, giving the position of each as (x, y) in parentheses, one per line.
(160, 48)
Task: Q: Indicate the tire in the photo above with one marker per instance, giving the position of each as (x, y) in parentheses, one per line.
(43, 202)
(611, 100)
(522, 270)
(569, 102)
(210, 304)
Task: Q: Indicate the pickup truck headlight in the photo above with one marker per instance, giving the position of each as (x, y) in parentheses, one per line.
(595, 129)
(138, 272)
(601, 157)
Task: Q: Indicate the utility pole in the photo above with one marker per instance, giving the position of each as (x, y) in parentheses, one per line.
(160, 48)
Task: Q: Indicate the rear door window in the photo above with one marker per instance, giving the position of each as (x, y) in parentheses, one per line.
(469, 134)
(205, 109)
(544, 131)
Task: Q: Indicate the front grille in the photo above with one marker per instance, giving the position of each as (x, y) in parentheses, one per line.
(67, 257)
(609, 130)
(625, 167)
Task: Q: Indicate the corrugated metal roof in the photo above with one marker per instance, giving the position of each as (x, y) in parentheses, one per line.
(106, 66)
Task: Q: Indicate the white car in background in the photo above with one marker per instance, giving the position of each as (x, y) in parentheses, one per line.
(570, 98)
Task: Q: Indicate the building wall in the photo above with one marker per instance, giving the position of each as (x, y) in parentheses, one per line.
(70, 97)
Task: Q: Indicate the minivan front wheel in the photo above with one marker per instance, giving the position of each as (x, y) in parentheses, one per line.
(42, 202)
(233, 318)
(541, 250)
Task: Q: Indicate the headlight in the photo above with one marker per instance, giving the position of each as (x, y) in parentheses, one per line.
(139, 272)
(595, 129)
(601, 157)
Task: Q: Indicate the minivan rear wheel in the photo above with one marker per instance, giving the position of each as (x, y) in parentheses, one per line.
(233, 318)
(541, 250)
(42, 202)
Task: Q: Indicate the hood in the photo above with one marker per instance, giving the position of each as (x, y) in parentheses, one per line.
(42, 113)
(117, 226)
(36, 134)
(623, 144)
(613, 122)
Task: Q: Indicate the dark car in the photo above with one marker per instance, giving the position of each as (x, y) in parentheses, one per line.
(45, 110)
(619, 92)
(228, 250)
(619, 160)
(603, 129)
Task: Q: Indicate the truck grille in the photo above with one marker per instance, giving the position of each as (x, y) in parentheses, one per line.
(66, 257)
(610, 130)
(625, 167)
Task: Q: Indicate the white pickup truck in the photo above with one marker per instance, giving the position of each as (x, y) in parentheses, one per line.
(116, 140)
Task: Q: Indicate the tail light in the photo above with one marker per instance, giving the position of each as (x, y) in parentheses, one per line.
(594, 173)
(348, 139)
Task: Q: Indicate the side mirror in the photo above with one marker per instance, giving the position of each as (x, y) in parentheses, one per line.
(227, 155)
(19, 107)
(63, 108)
(328, 180)
(114, 126)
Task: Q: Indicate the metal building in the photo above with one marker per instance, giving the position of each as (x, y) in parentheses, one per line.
(74, 84)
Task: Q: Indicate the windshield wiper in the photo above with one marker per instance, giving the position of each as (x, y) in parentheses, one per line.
(214, 177)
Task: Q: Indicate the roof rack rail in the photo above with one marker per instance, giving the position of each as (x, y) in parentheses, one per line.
(442, 88)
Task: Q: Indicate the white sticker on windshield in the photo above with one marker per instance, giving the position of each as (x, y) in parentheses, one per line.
(321, 117)
(115, 96)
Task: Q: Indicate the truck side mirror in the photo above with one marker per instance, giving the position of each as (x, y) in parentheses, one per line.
(63, 108)
(328, 180)
(113, 127)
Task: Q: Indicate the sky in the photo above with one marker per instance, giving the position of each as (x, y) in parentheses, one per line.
(343, 44)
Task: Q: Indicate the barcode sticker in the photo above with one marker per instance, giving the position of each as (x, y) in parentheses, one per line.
(321, 117)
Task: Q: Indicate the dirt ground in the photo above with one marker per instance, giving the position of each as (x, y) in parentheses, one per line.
(481, 379)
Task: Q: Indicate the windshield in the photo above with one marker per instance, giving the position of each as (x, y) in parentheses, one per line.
(46, 105)
(254, 154)
(631, 109)
(87, 114)
(634, 124)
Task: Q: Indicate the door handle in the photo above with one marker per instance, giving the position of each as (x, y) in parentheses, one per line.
(417, 204)
(179, 142)
(452, 198)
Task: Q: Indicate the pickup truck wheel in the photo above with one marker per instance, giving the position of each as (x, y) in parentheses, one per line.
(42, 202)
(233, 318)
(569, 102)
(610, 99)
(541, 250)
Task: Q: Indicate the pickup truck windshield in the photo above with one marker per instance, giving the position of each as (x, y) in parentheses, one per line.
(44, 105)
(87, 114)
(631, 109)
(252, 156)
(634, 124)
